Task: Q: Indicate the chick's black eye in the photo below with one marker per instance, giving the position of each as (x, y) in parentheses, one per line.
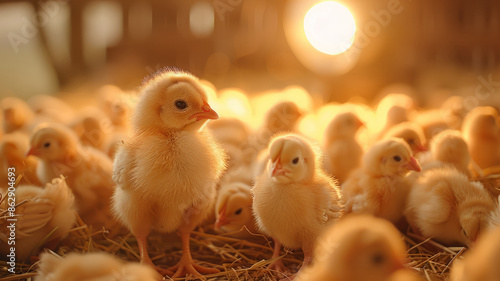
(411, 141)
(295, 160)
(238, 211)
(397, 158)
(378, 259)
(180, 104)
(46, 145)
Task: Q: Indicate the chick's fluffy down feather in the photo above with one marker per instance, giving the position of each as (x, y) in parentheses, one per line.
(91, 267)
(45, 210)
(161, 177)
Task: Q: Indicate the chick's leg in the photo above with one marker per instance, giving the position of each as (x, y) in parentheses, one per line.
(277, 264)
(186, 265)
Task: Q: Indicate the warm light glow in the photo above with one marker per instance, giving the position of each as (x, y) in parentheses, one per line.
(330, 27)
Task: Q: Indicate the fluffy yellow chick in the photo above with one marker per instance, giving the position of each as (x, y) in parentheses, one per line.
(445, 205)
(380, 186)
(481, 131)
(294, 199)
(233, 208)
(481, 262)
(357, 248)
(114, 103)
(88, 171)
(17, 115)
(343, 152)
(167, 170)
(92, 127)
(48, 210)
(449, 147)
(13, 147)
(411, 133)
(392, 110)
(92, 267)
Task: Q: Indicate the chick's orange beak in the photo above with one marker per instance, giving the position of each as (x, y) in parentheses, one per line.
(413, 165)
(222, 219)
(206, 113)
(420, 148)
(277, 168)
(32, 151)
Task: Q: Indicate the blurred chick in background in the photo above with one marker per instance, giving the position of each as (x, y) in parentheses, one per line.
(357, 248)
(448, 148)
(380, 186)
(343, 152)
(44, 217)
(17, 115)
(87, 170)
(481, 131)
(167, 170)
(411, 133)
(51, 109)
(445, 205)
(481, 262)
(13, 148)
(92, 267)
(294, 199)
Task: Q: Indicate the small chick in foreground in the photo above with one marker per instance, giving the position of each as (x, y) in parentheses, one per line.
(92, 267)
(48, 210)
(481, 131)
(411, 133)
(343, 152)
(445, 205)
(357, 248)
(167, 170)
(294, 199)
(234, 208)
(88, 171)
(380, 186)
(481, 262)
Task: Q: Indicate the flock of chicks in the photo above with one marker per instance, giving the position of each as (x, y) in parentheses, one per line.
(160, 166)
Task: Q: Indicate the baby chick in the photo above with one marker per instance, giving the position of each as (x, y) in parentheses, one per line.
(91, 267)
(481, 262)
(411, 133)
(449, 147)
(293, 198)
(443, 204)
(343, 152)
(379, 187)
(13, 147)
(481, 131)
(113, 102)
(44, 215)
(17, 115)
(357, 248)
(88, 171)
(51, 108)
(167, 170)
(234, 208)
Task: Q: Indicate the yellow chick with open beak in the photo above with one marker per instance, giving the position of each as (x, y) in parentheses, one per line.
(44, 217)
(234, 208)
(87, 170)
(357, 248)
(380, 186)
(445, 205)
(481, 130)
(167, 170)
(293, 198)
(92, 267)
(343, 152)
(410, 132)
(481, 262)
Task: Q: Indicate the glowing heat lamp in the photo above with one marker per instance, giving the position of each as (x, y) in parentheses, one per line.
(330, 27)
